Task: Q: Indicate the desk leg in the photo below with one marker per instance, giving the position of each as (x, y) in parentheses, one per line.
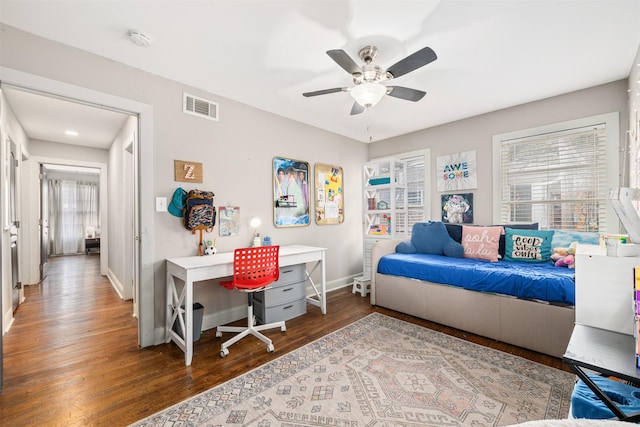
(170, 288)
(323, 298)
(188, 311)
(321, 295)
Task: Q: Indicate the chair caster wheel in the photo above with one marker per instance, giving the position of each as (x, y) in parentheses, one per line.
(271, 348)
(224, 352)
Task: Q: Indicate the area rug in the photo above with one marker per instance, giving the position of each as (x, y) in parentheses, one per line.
(385, 372)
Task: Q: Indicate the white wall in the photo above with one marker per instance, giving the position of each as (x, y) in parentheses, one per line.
(120, 217)
(633, 123)
(476, 133)
(10, 127)
(237, 154)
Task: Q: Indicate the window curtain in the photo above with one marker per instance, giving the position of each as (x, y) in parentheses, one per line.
(73, 206)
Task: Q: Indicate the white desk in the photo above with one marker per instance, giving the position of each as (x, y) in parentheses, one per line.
(197, 268)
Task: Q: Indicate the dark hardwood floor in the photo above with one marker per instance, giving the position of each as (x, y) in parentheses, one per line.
(71, 357)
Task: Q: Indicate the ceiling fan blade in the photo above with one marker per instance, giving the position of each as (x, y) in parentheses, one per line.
(356, 109)
(412, 62)
(342, 59)
(405, 93)
(326, 91)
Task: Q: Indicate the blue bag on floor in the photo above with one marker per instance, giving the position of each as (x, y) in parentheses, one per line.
(585, 404)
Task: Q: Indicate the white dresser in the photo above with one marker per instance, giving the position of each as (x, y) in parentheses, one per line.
(604, 289)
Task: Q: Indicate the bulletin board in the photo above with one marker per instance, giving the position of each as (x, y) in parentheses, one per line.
(329, 194)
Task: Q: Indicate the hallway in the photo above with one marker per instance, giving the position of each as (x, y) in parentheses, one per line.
(55, 352)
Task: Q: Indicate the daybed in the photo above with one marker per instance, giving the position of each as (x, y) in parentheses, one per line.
(525, 320)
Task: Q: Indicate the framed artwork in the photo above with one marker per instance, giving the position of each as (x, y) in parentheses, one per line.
(229, 221)
(187, 171)
(457, 208)
(290, 192)
(457, 171)
(329, 194)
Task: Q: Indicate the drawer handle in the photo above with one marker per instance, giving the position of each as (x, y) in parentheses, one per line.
(286, 271)
(287, 290)
(287, 307)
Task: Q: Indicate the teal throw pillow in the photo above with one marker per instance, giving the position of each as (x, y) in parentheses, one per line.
(528, 245)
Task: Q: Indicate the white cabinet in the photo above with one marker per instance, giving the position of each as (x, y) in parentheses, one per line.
(385, 205)
(604, 289)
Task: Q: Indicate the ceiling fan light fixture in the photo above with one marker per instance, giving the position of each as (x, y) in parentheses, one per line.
(368, 94)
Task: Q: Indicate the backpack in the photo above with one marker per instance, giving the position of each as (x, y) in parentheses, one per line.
(199, 212)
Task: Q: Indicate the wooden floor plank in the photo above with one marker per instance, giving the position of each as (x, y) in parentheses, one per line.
(71, 357)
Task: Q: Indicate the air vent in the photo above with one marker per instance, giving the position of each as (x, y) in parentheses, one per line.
(200, 107)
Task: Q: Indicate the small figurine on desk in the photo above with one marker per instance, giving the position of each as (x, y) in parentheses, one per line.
(210, 249)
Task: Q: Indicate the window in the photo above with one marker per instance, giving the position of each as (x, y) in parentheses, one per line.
(558, 176)
(417, 185)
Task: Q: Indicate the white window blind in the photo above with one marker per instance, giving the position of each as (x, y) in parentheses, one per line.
(415, 191)
(557, 179)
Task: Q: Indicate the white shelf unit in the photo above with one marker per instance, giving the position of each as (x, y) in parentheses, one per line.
(385, 205)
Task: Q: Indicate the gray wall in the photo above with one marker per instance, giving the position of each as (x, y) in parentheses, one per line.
(476, 133)
(237, 153)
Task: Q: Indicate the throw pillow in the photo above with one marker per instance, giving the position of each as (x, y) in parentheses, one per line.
(528, 245)
(501, 246)
(455, 231)
(481, 242)
(453, 249)
(405, 248)
(564, 238)
(429, 237)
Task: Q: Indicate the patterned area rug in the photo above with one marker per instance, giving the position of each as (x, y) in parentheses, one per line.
(385, 372)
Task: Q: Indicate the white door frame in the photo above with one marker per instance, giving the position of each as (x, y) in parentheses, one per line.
(146, 302)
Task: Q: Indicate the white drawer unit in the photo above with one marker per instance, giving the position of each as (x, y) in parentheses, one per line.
(285, 299)
(604, 289)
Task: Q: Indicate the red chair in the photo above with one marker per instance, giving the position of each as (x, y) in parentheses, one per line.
(254, 269)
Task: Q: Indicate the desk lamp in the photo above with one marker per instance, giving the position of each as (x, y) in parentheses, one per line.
(255, 223)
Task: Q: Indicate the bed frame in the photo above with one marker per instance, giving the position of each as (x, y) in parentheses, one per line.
(534, 325)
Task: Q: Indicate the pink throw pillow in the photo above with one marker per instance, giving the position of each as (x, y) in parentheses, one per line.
(481, 242)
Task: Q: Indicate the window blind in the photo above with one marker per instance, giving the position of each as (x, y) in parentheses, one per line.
(415, 191)
(556, 179)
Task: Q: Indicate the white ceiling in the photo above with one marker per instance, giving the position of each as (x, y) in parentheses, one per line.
(491, 54)
(46, 118)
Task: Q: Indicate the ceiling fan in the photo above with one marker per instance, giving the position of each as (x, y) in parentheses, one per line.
(368, 89)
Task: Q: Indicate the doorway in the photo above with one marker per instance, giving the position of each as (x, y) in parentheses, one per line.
(70, 220)
(144, 181)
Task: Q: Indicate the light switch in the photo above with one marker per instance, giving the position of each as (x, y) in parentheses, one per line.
(161, 204)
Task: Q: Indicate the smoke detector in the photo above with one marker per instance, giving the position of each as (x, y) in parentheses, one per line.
(139, 38)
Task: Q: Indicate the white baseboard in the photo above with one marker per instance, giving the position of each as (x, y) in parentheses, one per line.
(115, 283)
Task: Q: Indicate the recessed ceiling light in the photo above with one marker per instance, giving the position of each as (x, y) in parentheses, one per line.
(71, 132)
(139, 38)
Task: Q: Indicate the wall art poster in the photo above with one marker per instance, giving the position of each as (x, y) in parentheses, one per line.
(457, 171)
(229, 221)
(290, 192)
(329, 194)
(457, 208)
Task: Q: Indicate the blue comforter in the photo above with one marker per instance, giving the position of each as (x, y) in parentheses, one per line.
(540, 281)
